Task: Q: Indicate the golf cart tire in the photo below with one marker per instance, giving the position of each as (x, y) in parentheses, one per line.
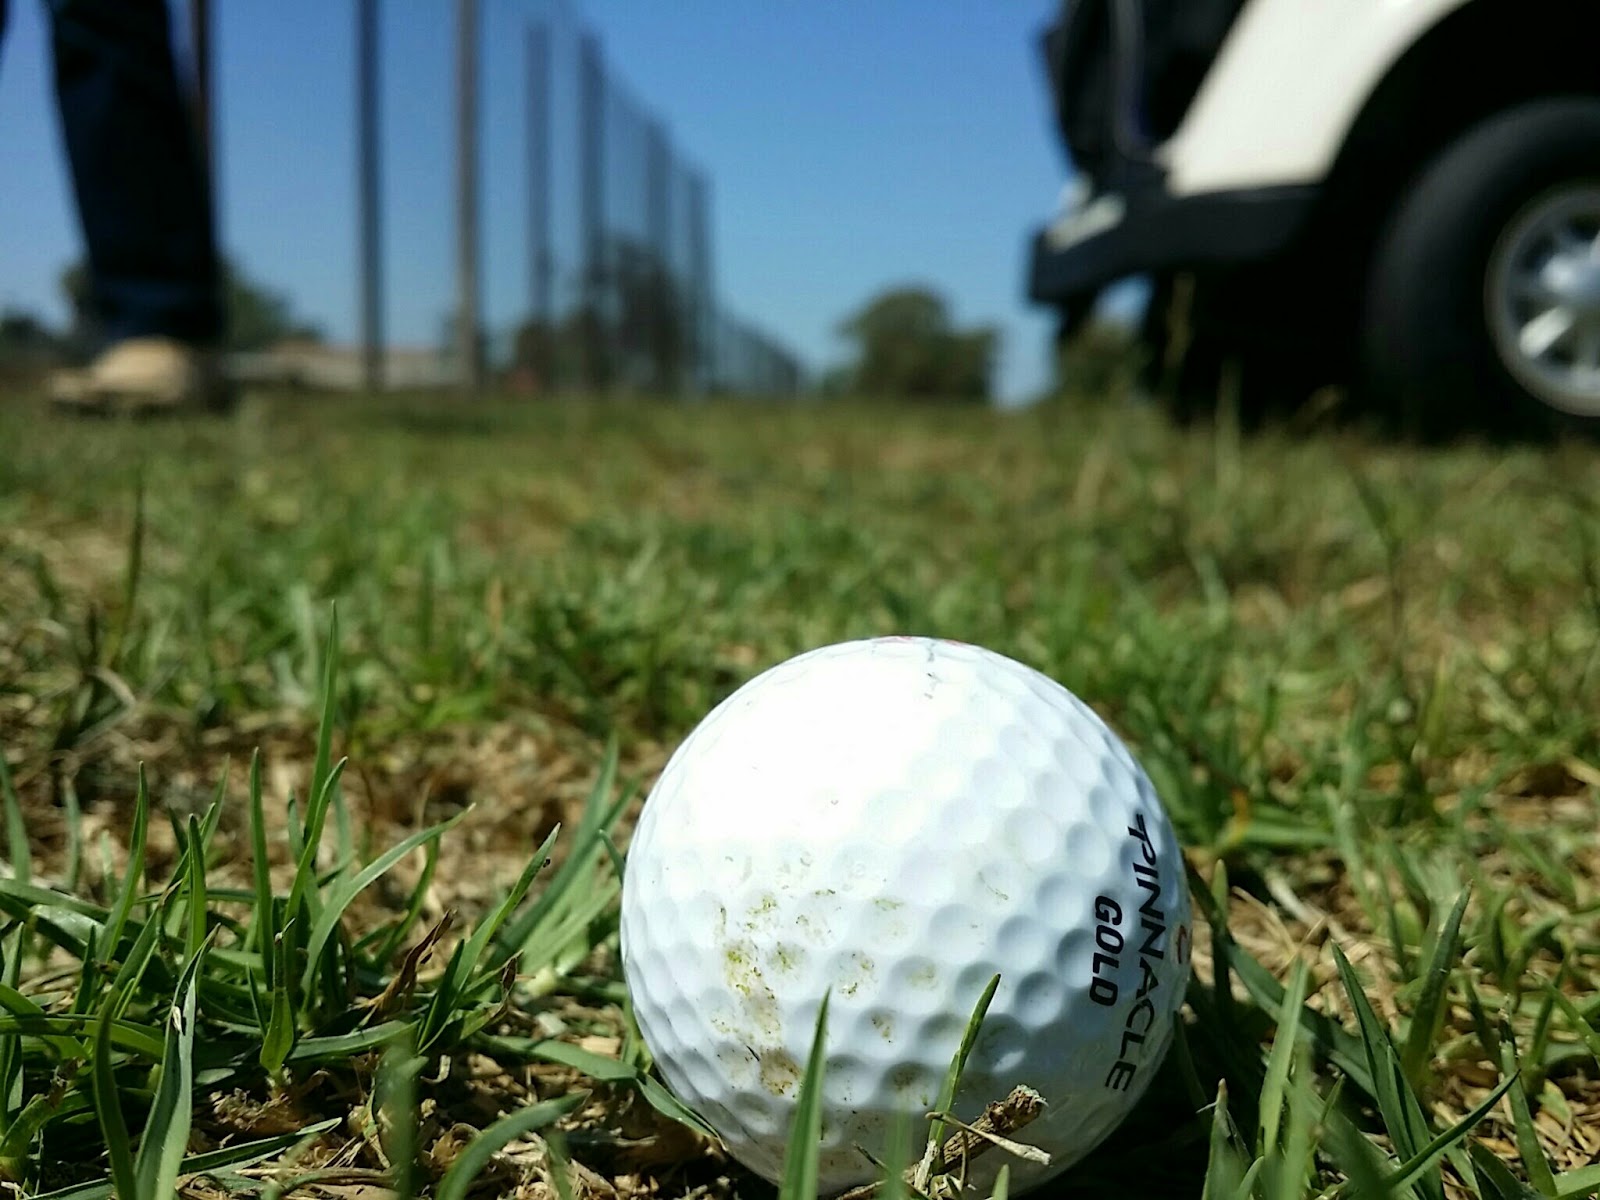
(1429, 360)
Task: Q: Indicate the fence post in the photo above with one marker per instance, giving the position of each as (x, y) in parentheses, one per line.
(595, 323)
(369, 195)
(468, 343)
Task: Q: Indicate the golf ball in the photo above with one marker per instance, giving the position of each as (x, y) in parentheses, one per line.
(891, 823)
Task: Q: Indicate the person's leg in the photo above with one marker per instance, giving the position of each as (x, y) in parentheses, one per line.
(138, 171)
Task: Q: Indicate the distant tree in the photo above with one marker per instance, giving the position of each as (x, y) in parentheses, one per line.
(651, 330)
(23, 331)
(632, 329)
(834, 383)
(1102, 360)
(906, 349)
(535, 354)
(83, 331)
(27, 344)
(586, 335)
(258, 316)
(449, 339)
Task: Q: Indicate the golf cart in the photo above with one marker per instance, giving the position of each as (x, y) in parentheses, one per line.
(1398, 196)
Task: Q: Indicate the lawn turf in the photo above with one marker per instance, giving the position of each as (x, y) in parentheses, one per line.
(1365, 679)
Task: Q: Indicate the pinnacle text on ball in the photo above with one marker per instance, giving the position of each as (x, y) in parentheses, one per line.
(1110, 942)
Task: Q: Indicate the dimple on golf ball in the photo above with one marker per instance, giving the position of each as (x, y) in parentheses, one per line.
(891, 823)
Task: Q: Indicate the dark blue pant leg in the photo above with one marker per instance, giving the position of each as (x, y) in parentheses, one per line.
(137, 169)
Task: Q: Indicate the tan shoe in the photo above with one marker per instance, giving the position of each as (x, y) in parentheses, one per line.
(145, 376)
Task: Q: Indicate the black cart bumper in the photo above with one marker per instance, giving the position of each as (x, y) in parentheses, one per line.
(1114, 236)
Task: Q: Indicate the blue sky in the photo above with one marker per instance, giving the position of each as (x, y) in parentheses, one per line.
(850, 146)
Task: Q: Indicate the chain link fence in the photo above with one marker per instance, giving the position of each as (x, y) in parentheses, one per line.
(621, 285)
(617, 288)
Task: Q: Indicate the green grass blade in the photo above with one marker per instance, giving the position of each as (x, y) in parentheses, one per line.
(198, 900)
(166, 1131)
(278, 1039)
(1584, 1181)
(800, 1174)
(1529, 940)
(17, 1148)
(72, 815)
(1282, 1057)
(213, 814)
(668, 1105)
(125, 1035)
(602, 1069)
(1183, 1059)
(17, 847)
(1247, 1185)
(600, 814)
(15, 1003)
(244, 1154)
(336, 1047)
(619, 860)
(468, 953)
(108, 1108)
(294, 831)
(131, 973)
(1589, 1035)
(897, 1160)
(388, 945)
(321, 770)
(133, 872)
(1359, 1160)
(1488, 1038)
(1495, 1180)
(1429, 1013)
(1539, 1039)
(303, 890)
(263, 925)
(958, 1064)
(395, 1104)
(1222, 951)
(469, 1164)
(133, 572)
(1427, 1157)
(346, 890)
(1533, 1159)
(11, 1078)
(324, 781)
(344, 839)
(595, 1066)
(1383, 1063)
(247, 1154)
(1224, 1170)
(1295, 1160)
(560, 1165)
(562, 937)
(448, 999)
(65, 928)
